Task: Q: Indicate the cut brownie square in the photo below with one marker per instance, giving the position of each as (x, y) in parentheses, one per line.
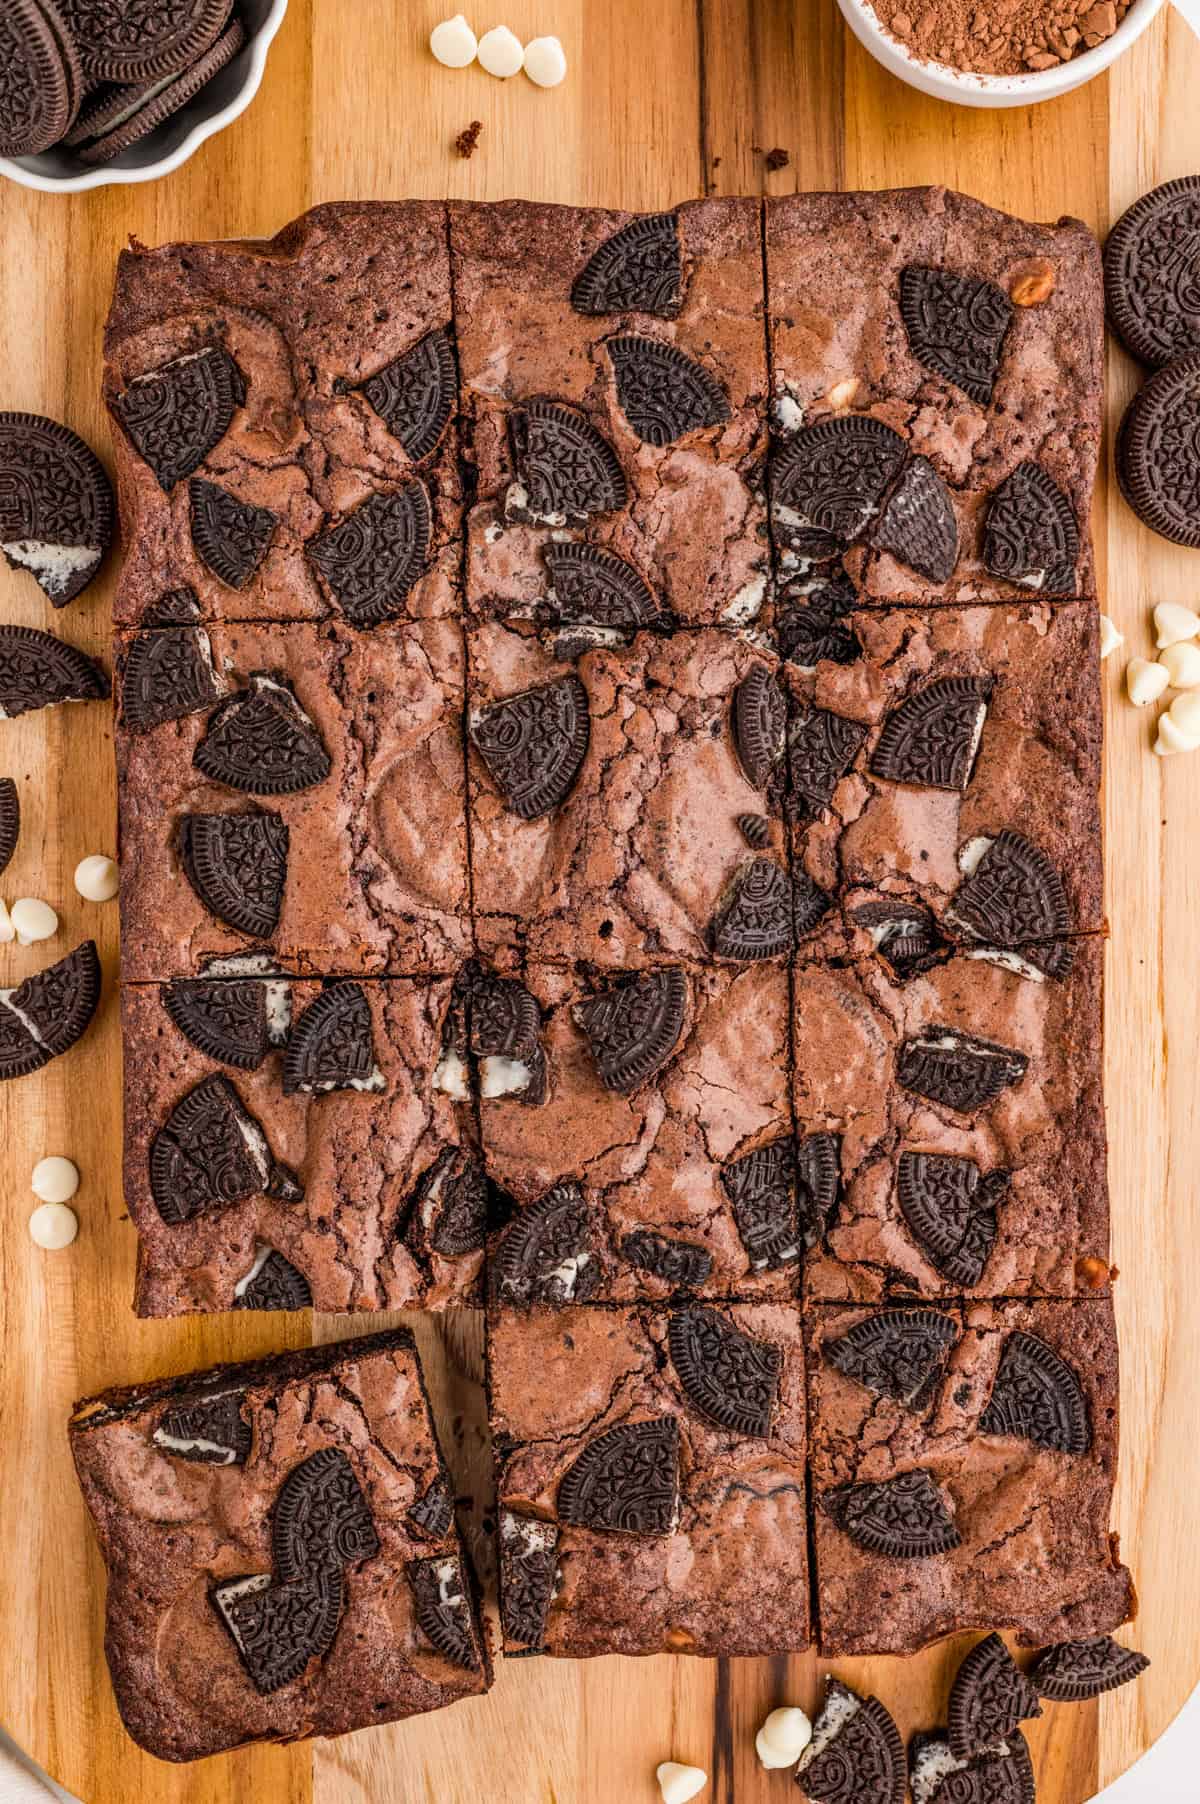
(936, 370)
(650, 1479)
(643, 1135)
(285, 420)
(281, 1549)
(289, 1143)
(962, 1472)
(302, 787)
(966, 1102)
(614, 388)
(626, 800)
(951, 758)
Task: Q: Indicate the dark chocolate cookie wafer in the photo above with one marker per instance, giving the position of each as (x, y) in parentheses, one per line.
(44, 1016)
(1152, 273)
(1073, 1671)
(143, 40)
(1158, 452)
(37, 669)
(56, 504)
(162, 100)
(41, 82)
(10, 821)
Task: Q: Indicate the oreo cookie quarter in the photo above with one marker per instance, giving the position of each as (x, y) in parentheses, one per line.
(1158, 452)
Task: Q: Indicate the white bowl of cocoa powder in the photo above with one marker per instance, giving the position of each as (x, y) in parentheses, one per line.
(978, 53)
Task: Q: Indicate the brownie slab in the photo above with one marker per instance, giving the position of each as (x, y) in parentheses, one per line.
(614, 384)
(650, 1479)
(967, 1104)
(979, 722)
(992, 1498)
(336, 1170)
(281, 1550)
(340, 752)
(974, 337)
(661, 1166)
(311, 376)
(637, 845)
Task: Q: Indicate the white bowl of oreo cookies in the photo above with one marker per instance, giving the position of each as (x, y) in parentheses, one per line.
(909, 37)
(107, 105)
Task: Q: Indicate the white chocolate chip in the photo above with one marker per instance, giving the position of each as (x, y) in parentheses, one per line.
(453, 43)
(53, 1226)
(32, 920)
(97, 878)
(55, 1179)
(1175, 622)
(679, 1783)
(783, 1737)
(545, 63)
(1171, 738)
(7, 930)
(1184, 715)
(1181, 662)
(1110, 638)
(501, 51)
(1145, 680)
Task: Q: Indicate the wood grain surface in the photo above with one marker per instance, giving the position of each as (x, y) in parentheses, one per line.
(665, 99)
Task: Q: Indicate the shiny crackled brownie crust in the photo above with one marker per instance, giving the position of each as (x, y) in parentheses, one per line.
(967, 1103)
(978, 409)
(366, 806)
(308, 318)
(1022, 1522)
(681, 495)
(183, 1478)
(374, 1193)
(650, 1479)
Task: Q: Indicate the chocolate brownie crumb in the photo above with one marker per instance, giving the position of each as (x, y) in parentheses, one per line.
(778, 158)
(466, 140)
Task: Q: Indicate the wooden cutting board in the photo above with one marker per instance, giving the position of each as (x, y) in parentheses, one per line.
(666, 99)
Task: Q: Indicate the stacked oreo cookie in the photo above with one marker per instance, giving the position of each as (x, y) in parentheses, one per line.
(609, 748)
(96, 77)
(1152, 287)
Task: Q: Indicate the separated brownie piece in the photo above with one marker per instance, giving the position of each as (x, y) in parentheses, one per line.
(650, 1475)
(290, 1144)
(285, 419)
(281, 1550)
(614, 386)
(302, 787)
(951, 758)
(966, 1105)
(936, 370)
(626, 802)
(962, 1471)
(642, 1130)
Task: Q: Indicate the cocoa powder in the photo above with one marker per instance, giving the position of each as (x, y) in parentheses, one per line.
(1001, 37)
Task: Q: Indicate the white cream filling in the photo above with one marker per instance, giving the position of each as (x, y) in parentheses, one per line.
(279, 1012)
(197, 1444)
(246, 1280)
(516, 503)
(934, 1764)
(451, 1076)
(840, 1706)
(228, 1594)
(493, 534)
(787, 411)
(449, 1580)
(530, 1532)
(54, 566)
(500, 1076)
(27, 1021)
(971, 854)
(567, 1275)
(976, 736)
(256, 1145)
(747, 603)
(1008, 961)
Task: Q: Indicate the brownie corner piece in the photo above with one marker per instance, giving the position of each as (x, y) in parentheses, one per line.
(309, 1504)
(944, 359)
(983, 1491)
(289, 450)
(650, 1479)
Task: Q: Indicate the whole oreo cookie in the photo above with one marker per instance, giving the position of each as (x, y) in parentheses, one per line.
(42, 79)
(56, 504)
(143, 40)
(152, 103)
(1152, 273)
(1158, 452)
